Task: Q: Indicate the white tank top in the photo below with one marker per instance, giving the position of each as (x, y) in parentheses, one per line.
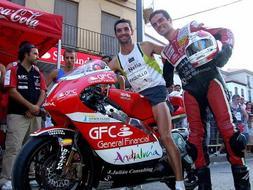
(141, 71)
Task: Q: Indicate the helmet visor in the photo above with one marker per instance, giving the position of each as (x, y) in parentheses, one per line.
(198, 46)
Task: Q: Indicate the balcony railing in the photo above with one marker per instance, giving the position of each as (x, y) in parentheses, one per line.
(89, 41)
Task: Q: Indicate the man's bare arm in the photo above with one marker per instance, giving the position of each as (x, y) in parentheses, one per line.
(150, 48)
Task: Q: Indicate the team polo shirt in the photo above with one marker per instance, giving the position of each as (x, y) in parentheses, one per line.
(28, 84)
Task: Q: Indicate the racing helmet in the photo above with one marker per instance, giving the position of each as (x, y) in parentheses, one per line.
(202, 48)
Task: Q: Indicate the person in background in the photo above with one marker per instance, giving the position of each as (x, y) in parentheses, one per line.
(69, 57)
(3, 108)
(170, 89)
(194, 52)
(27, 88)
(242, 102)
(2, 74)
(177, 87)
(241, 115)
(176, 90)
(136, 62)
(249, 109)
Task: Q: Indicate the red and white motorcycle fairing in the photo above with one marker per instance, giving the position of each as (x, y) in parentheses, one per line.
(101, 136)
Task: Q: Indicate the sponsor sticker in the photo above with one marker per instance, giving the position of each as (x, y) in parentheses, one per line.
(123, 142)
(67, 93)
(111, 131)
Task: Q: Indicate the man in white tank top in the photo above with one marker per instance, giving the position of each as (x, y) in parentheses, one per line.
(137, 63)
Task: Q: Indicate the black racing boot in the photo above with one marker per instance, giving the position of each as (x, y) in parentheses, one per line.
(204, 179)
(241, 177)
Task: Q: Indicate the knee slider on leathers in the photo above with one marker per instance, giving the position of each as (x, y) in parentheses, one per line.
(191, 150)
(238, 143)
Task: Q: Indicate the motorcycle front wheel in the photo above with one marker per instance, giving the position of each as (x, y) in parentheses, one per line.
(35, 167)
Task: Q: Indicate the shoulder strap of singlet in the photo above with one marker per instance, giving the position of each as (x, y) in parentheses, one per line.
(139, 47)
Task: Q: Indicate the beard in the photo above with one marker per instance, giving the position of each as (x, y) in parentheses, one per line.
(125, 41)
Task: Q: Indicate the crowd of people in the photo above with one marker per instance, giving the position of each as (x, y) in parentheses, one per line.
(202, 88)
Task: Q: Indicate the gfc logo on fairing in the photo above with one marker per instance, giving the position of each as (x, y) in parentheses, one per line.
(112, 131)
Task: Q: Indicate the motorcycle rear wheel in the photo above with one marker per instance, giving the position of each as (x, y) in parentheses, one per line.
(40, 155)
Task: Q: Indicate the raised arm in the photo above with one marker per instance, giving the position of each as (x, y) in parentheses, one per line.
(150, 48)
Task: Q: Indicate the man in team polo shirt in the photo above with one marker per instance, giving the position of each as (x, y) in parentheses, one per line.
(26, 86)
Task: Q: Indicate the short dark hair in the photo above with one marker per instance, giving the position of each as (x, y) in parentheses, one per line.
(236, 96)
(160, 11)
(23, 43)
(122, 21)
(23, 49)
(68, 50)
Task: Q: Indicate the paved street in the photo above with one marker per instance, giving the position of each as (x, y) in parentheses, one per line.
(221, 177)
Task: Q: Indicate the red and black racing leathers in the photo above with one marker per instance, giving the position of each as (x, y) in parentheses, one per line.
(203, 87)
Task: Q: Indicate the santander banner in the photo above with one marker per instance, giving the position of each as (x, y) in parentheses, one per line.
(82, 58)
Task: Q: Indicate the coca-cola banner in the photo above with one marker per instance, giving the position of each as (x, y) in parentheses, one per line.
(21, 16)
(19, 23)
(11, 13)
(82, 58)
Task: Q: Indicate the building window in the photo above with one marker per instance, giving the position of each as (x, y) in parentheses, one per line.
(230, 93)
(236, 90)
(69, 11)
(20, 2)
(109, 44)
(248, 81)
(242, 92)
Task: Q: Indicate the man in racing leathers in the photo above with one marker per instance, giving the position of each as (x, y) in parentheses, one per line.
(194, 52)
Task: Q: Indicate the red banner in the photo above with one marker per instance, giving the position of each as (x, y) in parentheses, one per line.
(82, 58)
(19, 23)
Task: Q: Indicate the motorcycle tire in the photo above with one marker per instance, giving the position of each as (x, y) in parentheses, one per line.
(45, 149)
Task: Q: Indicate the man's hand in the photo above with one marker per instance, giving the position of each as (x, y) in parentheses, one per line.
(223, 56)
(28, 115)
(34, 109)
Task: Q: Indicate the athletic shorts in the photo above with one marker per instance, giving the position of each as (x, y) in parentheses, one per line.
(156, 94)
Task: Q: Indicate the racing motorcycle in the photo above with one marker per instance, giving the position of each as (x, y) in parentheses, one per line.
(102, 138)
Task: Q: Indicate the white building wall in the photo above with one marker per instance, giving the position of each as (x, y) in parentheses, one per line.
(231, 87)
(240, 77)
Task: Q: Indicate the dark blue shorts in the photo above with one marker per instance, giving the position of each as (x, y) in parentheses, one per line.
(155, 95)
